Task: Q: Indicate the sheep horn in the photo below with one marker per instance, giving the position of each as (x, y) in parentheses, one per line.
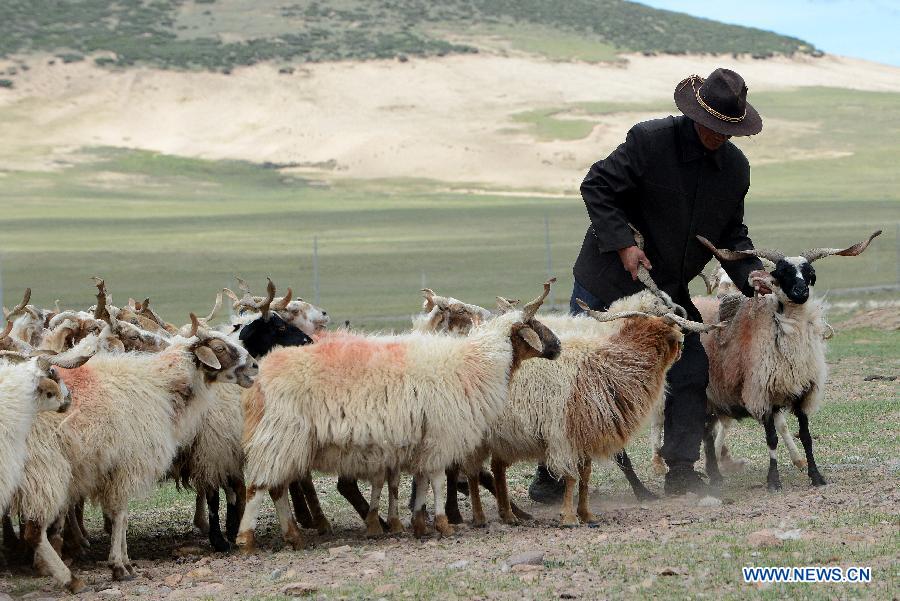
(20, 308)
(215, 308)
(606, 316)
(264, 305)
(645, 279)
(691, 326)
(529, 311)
(195, 326)
(723, 254)
(43, 362)
(709, 281)
(242, 285)
(230, 294)
(6, 330)
(282, 303)
(67, 360)
(13, 357)
(818, 253)
(100, 307)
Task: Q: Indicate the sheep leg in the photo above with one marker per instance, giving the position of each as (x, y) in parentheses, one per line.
(726, 461)
(10, 538)
(784, 432)
(584, 483)
(116, 560)
(373, 523)
(637, 487)
(773, 481)
(79, 514)
(237, 496)
(200, 521)
(478, 518)
(657, 421)
(451, 509)
(349, 489)
(487, 482)
(47, 560)
(503, 504)
(567, 517)
(301, 509)
(709, 450)
(419, 525)
(395, 526)
(290, 531)
(55, 533)
(216, 540)
(246, 538)
(320, 522)
(439, 486)
(806, 439)
(74, 542)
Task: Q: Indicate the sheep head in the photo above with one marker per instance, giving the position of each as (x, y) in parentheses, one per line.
(530, 338)
(220, 359)
(790, 278)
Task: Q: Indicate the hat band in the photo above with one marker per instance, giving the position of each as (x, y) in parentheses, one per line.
(709, 109)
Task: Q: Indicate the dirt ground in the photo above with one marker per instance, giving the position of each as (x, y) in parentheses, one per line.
(662, 549)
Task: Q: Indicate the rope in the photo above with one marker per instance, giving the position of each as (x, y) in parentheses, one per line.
(721, 116)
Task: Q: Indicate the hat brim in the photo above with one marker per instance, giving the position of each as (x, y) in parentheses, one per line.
(686, 101)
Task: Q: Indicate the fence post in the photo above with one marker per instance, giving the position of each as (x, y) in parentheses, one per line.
(316, 269)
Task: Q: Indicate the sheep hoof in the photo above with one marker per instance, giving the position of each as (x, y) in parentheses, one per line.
(659, 466)
(395, 526)
(773, 486)
(588, 519)
(120, 574)
(646, 495)
(454, 517)
(522, 515)
(510, 519)
(130, 567)
(220, 545)
(202, 526)
(442, 525)
(75, 585)
(419, 526)
(373, 525)
(818, 480)
(323, 526)
(246, 541)
(732, 466)
(800, 463)
(568, 521)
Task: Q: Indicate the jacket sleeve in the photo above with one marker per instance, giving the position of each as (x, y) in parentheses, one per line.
(736, 237)
(607, 189)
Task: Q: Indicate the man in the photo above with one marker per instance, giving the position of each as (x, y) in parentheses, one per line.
(672, 179)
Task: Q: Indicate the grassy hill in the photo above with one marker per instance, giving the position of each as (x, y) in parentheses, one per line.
(221, 34)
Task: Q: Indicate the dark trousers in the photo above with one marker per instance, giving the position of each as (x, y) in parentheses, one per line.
(686, 397)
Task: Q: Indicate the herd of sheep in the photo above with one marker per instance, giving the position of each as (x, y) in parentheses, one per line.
(100, 405)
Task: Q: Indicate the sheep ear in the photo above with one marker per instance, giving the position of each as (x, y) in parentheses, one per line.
(533, 340)
(207, 357)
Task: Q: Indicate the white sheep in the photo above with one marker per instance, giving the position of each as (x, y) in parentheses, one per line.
(133, 411)
(358, 406)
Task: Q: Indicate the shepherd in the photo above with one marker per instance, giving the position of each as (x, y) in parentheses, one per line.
(672, 178)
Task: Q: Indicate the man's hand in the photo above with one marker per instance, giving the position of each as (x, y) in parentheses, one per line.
(631, 257)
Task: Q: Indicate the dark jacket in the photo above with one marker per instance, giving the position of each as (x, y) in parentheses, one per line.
(664, 182)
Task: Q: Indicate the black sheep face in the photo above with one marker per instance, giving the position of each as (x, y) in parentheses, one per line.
(261, 336)
(794, 276)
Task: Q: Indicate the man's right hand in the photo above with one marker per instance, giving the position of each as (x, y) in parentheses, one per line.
(631, 257)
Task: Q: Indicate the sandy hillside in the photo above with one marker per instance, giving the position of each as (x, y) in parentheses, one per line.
(446, 119)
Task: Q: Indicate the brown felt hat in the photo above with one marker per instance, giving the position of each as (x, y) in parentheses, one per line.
(719, 102)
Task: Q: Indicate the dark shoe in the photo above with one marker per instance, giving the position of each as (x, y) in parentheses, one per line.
(545, 488)
(682, 479)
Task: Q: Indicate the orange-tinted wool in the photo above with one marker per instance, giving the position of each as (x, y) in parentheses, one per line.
(344, 359)
(254, 405)
(79, 381)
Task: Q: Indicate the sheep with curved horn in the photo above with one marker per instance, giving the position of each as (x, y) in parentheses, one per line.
(771, 357)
